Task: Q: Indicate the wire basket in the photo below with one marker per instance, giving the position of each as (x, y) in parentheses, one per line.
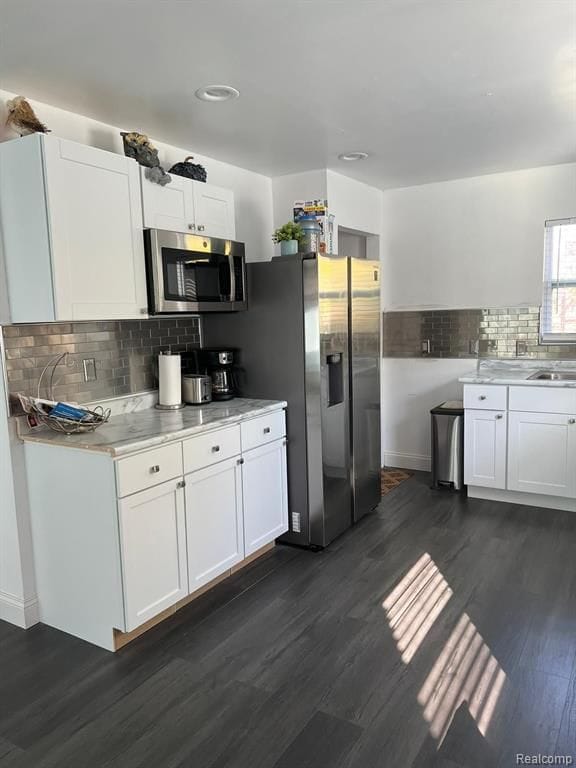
(39, 410)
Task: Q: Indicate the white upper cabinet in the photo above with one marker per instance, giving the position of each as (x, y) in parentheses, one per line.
(72, 231)
(185, 205)
(214, 208)
(542, 453)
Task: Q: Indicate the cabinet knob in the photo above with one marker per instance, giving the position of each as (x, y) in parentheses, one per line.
(266, 430)
(482, 397)
(215, 448)
(155, 469)
(201, 227)
(498, 415)
(181, 484)
(571, 421)
(191, 226)
(240, 461)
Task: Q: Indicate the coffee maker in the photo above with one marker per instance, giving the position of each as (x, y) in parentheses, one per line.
(220, 367)
(218, 364)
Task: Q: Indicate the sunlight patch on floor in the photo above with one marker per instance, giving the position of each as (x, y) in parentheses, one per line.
(415, 604)
(465, 670)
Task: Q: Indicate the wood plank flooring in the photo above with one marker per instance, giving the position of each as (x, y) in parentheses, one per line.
(438, 633)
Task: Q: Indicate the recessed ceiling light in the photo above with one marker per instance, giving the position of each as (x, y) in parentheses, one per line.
(217, 93)
(352, 156)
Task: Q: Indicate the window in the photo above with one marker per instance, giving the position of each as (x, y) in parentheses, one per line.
(558, 320)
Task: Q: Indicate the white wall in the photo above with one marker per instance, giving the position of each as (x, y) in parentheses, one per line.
(465, 243)
(18, 602)
(356, 205)
(252, 191)
(472, 242)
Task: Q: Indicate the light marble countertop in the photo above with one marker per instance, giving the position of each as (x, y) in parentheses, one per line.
(516, 372)
(149, 428)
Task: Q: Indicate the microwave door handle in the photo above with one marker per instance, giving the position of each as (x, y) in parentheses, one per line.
(232, 278)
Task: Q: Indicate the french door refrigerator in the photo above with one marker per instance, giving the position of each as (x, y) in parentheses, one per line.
(311, 336)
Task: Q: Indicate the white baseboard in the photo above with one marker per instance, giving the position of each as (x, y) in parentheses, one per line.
(408, 461)
(22, 613)
(519, 497)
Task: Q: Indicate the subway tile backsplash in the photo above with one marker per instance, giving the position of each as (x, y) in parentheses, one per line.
(506, 332)
(124, 353)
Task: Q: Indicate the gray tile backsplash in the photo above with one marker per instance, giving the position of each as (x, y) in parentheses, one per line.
(124, 352)
(506, 332)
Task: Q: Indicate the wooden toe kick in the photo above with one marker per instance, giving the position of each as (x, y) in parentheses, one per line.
(123, 638)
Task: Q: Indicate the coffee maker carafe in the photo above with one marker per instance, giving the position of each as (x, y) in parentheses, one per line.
(220, 367)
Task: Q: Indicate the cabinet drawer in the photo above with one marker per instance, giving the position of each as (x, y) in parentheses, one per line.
(543, 399)
(485, 397)
(203, 450)
(147, 469)
(263, 430)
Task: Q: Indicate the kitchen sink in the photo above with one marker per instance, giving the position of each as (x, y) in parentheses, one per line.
(553, 376)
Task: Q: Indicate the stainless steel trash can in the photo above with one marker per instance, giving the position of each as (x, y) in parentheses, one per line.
(448, 445)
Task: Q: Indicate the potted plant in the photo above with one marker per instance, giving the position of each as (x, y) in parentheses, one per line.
(289, 236)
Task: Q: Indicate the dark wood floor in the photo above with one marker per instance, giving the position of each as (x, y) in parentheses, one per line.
(438, 632)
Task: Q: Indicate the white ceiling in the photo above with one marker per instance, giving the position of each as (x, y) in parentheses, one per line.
(432, 89)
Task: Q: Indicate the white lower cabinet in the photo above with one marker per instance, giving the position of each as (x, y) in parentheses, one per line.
(153, 551)
(485, 448)
(157, 526)
(265, 495)
(542, 453)
(214, 521)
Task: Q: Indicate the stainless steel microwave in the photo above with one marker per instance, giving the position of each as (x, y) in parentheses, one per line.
(191, 273)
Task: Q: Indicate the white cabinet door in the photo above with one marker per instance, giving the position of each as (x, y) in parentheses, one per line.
(95, 215)
(170, 207)
(213, 521)
(153, 551)
(542, 454)
(485, 448)
(265, 495)
(214, 209)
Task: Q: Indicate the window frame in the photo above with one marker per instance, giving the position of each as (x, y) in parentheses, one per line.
(548, 337)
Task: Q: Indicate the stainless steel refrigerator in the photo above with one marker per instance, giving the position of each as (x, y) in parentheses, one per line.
(311, 336)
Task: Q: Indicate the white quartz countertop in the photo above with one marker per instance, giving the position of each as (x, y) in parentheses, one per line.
(516, 373)
(151, 427)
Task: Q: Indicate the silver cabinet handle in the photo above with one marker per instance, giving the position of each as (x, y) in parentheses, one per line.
(155, 469)
(482, 397)
(266, 430)
(215, 448)
(571, 421)
(498, 415)
(201, 227)
(181, 484)
(191, 226)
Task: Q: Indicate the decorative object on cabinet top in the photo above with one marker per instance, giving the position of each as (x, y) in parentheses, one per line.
(22, 119)
(140, 148)
(518, 373)
(149, 428)
(189, 170)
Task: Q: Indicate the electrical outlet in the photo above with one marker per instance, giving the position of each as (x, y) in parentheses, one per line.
(521, 348)
(425, 346)
(89, 365)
